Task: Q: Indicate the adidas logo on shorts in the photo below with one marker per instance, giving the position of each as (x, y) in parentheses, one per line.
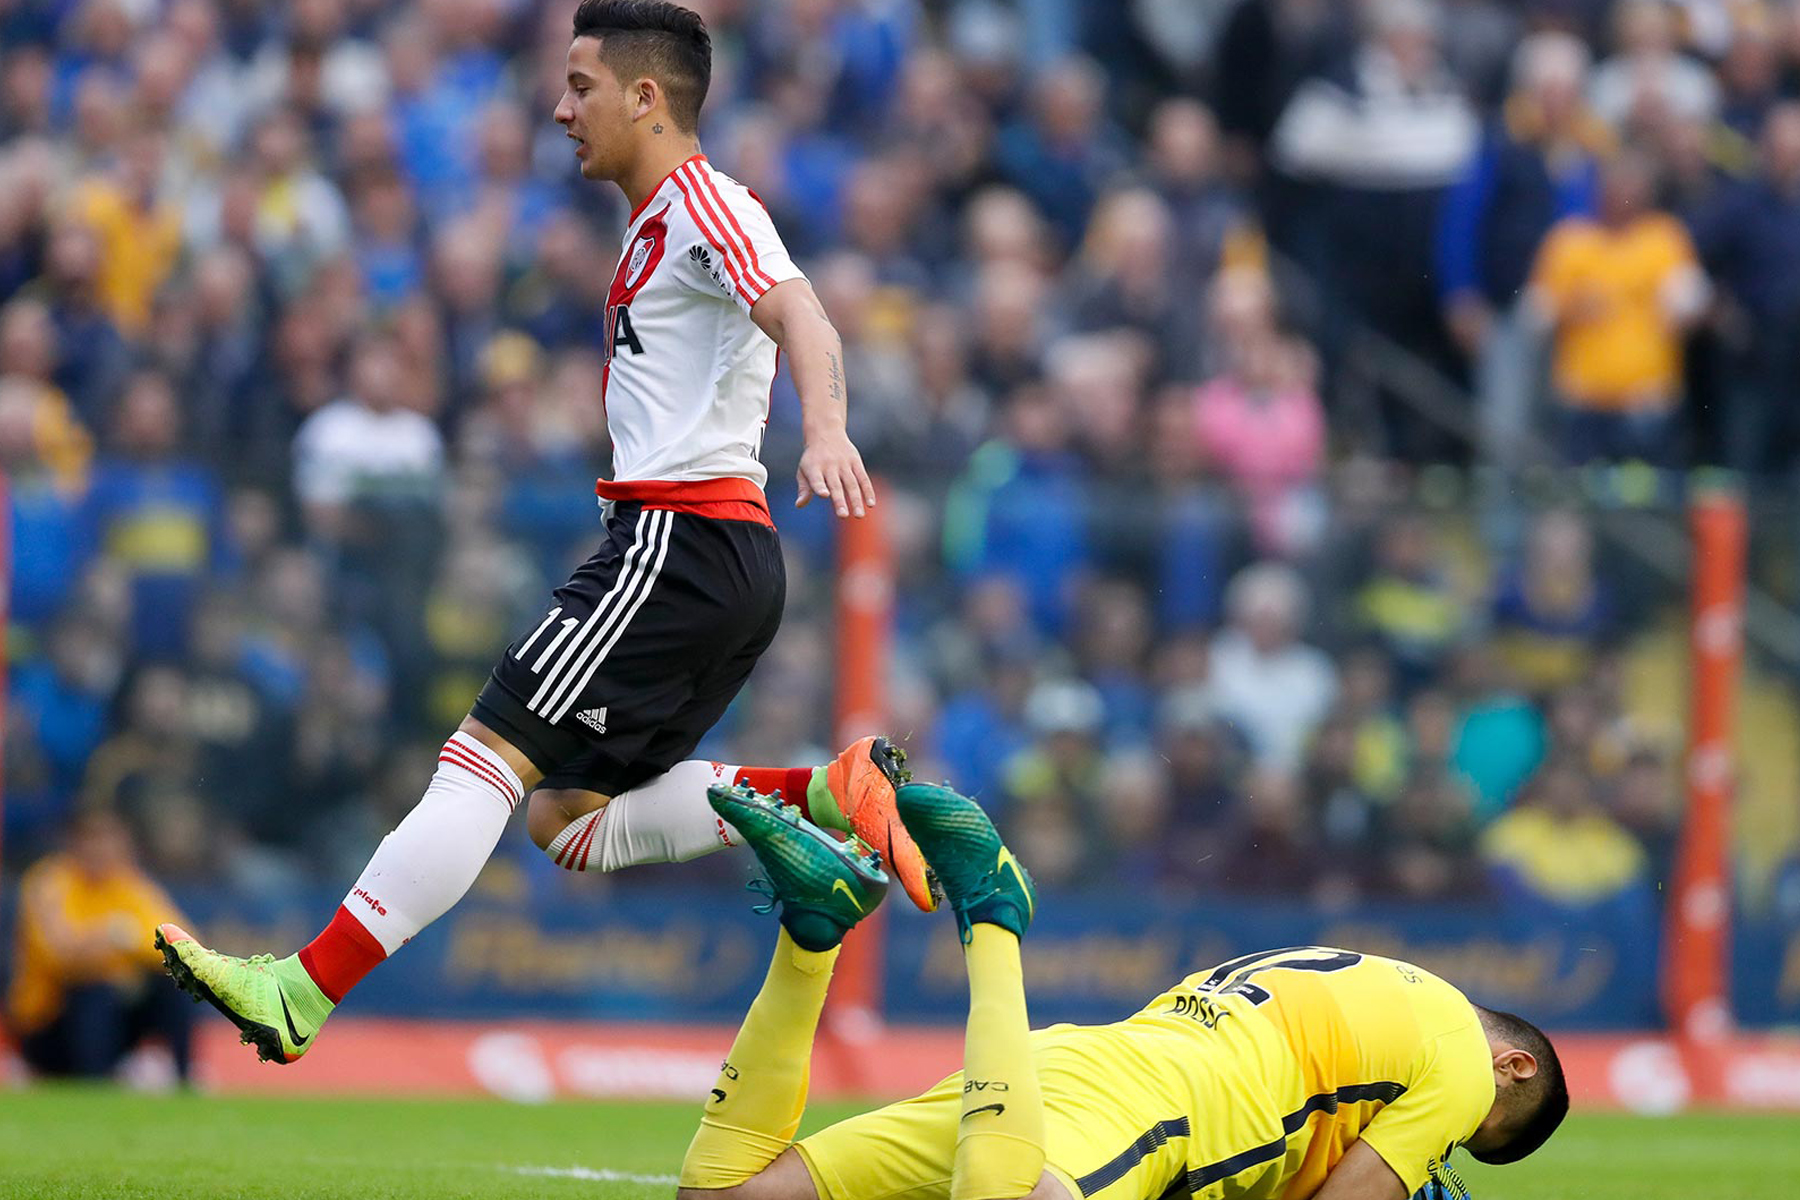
(593, 718)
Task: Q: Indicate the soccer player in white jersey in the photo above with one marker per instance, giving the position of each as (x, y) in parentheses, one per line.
(599, 706)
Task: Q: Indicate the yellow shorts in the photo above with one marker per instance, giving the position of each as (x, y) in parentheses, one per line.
(1109, 1129)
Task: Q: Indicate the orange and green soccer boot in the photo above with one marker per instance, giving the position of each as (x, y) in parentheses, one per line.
(854, 793)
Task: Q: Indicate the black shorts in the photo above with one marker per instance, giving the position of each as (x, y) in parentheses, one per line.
(642, 649)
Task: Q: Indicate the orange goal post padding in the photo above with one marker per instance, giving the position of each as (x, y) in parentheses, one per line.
(1697, 930)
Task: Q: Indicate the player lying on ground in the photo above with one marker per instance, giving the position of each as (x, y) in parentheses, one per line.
(601, 705)
(1292, 1073)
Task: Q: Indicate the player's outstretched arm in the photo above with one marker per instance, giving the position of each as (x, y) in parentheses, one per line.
(830, 467)
(1362, 1174)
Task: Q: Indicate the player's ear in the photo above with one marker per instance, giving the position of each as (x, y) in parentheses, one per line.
(646, 94)
(1515, 1064)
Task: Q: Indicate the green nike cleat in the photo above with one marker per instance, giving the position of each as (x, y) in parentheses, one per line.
(980, 876)
(274, 1003)
(824, 886)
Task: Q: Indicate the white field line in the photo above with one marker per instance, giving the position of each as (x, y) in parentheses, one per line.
(591, 1174)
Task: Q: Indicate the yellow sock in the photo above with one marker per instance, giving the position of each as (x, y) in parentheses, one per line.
(754, 1112)
(1000, 1140)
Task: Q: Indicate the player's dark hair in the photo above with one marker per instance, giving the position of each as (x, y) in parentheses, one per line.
(664, 41)
(1545, 1097)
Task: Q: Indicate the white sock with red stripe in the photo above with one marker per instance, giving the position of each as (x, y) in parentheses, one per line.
(664, 820)
(431, 858)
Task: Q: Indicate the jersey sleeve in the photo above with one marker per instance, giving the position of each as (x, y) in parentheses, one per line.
(737, 253)
(1447, 1099)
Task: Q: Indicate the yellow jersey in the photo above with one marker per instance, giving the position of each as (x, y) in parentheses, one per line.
(1245, 1082)
(1295, 1054)
(1616, 347)
(57, 900)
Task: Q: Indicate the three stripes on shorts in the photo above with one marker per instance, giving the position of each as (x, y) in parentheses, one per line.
(584, 645)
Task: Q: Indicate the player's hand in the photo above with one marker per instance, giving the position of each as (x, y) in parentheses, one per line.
(832, 468)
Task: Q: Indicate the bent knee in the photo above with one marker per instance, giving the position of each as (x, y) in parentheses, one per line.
(784, 1179)
(550, 810)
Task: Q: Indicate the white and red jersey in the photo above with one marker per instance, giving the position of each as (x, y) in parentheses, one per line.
(688, 373)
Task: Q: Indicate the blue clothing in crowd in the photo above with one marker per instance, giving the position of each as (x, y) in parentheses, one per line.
(1021, 514)
(164, 523)
(50, 547)
(1495, 216)
(1749, 239)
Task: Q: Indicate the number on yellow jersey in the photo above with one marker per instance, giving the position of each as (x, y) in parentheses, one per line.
(1233, 978)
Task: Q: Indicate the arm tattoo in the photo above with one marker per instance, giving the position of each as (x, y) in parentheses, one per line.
(837, 376)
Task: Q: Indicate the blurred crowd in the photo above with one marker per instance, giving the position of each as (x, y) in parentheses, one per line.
(300, 320)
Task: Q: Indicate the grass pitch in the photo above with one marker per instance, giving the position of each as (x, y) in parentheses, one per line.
(88, 1144)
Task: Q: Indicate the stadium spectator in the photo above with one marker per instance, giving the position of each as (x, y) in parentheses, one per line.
(59, 704)
(1018, 510)
(1202, 768)
(981, 724)
(1111, 641)
(384, 224)
(1749, 72)
(1500, 735)
(364, 448)
(1537, 164)
(46, 526)
(86, 988)
(1272, 688)
(1650, 79)
(1618, 293)
(1067, 149)
(1212, 220)
(1429, 853)
(1560, 845)
(1272, 848)
(1644, 801)
(138, 227)
(91, 356)
(1408, 601)
(1749, 237)
(152, 753)
(62, 444)
(1369, 708)
(1261, 427)
(158, 515)
(1373, 146)
(217, 368)
(1123, 273)
(1552, 609)
(1134, 815)
(1064, 766)
(1265, 50)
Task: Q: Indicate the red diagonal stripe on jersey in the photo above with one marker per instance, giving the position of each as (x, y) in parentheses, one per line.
(722, 214)
(691, 196)
(461, 756)
(718, 244)
(752, 281)
(768, 281)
